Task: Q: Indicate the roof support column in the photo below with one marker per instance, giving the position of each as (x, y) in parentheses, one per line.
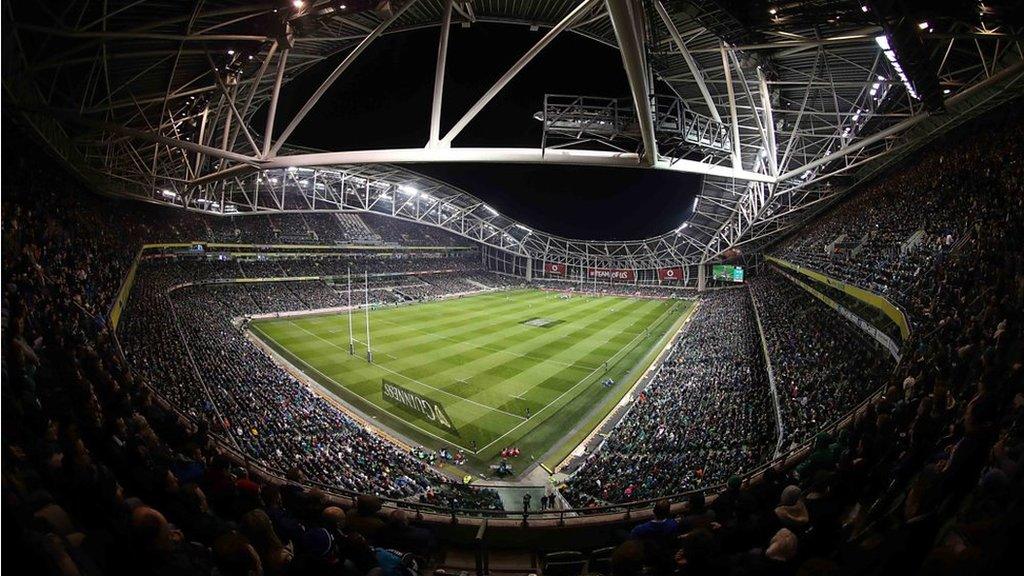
(698, 77)
(769, 123)
(329, 81)
(624, 15)
(475, 109)
(736, 163)
(442, 57)
(268, 133)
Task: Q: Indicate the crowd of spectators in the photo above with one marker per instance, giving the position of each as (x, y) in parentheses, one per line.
(113, 467)
(926, 478)
(890, 236)
(705, 416)
(570, 286)
(102, 475)
(823, 365)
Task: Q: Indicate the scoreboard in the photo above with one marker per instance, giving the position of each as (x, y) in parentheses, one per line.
(727, 273)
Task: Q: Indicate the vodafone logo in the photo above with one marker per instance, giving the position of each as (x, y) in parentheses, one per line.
(670, 273)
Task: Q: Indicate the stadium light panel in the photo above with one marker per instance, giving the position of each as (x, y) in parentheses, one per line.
(524, 228)
(696, 200)
(882, 41)
(410, 190)
(491, 210)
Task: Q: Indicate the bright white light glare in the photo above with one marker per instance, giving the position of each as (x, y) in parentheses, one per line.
(292, 168)
(231, 52)
(491, 210)
(411, 191)
(298, 3)
(922, 25)
(523, 228)
(946, 91)
(695, 201)
(772, 11)
(890, 55)
(168, 194)
(863, 8)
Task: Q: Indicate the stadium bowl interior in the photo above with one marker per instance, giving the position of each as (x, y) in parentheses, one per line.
(564, 287)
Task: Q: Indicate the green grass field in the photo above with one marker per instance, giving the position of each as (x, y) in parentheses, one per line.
(486, 363)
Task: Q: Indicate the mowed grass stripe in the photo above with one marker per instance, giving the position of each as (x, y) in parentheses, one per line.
(538, 343)
(364, 379)
(543, 386)
(423, 364)
(487, 392)
(476, 349)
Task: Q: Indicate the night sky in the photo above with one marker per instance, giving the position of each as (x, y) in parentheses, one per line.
(383, 101)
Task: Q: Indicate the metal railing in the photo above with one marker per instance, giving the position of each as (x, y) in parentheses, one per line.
(576, 118)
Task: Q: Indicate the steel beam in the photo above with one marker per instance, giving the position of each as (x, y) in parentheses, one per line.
(769, 123)
(525, 59)
(329, 81)
(901, 126)
(506, 155)
(695, 71)
(737, 163)
(268, 133)
(631, 46)
(442, 57)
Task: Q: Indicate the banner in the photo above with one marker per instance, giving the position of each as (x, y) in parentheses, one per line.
(670, 274)
(620, 274)
(425, 407)
(553, 268)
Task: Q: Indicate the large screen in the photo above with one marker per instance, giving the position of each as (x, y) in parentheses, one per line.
(727, 273)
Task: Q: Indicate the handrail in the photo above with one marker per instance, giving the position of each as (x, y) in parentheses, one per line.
(771, 376)
(897, 315)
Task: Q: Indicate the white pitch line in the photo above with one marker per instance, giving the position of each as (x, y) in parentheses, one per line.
(549, 404)
(482, 346)
(340, 385)
(386, 369)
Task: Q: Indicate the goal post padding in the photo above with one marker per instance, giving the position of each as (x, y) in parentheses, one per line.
(421, 405)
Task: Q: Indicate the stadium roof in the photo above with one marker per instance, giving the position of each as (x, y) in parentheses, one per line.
(782, 106)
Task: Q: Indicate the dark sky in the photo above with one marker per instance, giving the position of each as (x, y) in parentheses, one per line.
(383, 101)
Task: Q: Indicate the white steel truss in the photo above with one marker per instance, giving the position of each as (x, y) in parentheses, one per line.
(158, 102)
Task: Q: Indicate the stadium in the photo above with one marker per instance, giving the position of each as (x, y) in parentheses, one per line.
(519, 287)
